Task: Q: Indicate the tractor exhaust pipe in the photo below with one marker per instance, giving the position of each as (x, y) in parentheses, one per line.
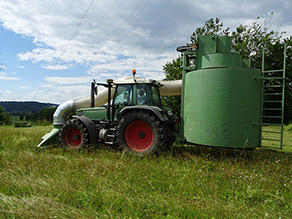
(109, 97)
(92, 94)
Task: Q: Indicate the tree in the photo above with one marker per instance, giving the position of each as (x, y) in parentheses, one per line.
(249, 40)
(5, 117)
(45, 115)
(211, 27)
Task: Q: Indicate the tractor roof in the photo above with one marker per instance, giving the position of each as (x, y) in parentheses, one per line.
(136, 80)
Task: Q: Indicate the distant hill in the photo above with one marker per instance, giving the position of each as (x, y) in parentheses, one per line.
(16, 107)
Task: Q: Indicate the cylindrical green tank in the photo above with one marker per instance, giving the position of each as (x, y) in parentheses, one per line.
(222, 98)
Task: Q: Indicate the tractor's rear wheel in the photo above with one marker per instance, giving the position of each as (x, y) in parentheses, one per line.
(141, 132)
(74, 135)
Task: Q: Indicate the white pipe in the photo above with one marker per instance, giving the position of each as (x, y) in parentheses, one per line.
(72, 105)
(169, 88)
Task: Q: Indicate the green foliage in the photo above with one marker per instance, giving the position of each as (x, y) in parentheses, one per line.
(288, 127)
(46, 114)
(211, 27)
(5, 117)
(27, 107)
(187, 182)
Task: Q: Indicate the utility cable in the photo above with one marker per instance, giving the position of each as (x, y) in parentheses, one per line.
(116, 36)
(99, 22)
(73, 35)
(133, 18)
(157, 13)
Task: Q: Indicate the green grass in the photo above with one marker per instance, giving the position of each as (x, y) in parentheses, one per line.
(187, 182)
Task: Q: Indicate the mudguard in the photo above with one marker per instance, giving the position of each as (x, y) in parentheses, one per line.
(154, 109)
(93, 134)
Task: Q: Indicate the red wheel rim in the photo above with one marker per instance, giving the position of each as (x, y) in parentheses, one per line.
(139, 136)
(73, 138)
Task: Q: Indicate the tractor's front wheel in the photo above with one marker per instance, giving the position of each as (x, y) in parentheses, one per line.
(74, 135)
(141, 132)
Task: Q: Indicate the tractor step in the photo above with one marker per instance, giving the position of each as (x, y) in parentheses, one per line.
(110, 137)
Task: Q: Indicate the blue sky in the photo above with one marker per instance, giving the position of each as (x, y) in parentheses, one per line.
(50, 50)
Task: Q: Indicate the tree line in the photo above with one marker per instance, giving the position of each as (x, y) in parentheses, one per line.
(44, 116)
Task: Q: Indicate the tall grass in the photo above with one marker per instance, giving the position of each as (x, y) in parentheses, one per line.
(187, 182)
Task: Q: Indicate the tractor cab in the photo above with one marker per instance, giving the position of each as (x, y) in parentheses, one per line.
(135, 92)
(128, 92)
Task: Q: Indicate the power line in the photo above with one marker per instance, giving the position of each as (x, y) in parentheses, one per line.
(157, 13)
(144, 24)
(132, 19)
(99, 22)
(74, 33)
(115, 36)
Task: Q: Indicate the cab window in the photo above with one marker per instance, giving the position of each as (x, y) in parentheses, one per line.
(123, 95)
(155, 96)
(142, 94)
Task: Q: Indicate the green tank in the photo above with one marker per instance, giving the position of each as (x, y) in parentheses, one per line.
(221, 96)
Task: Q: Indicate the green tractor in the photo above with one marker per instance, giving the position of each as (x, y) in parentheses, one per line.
(134, 119)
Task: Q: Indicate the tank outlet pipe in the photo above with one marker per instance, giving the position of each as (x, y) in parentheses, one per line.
(171, 88)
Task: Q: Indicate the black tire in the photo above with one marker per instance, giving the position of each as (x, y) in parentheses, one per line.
(74, 135)
(141, 132)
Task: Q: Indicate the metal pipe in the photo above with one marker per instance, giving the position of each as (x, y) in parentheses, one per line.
(171, 88)
(92, 95)
(70, 106)
(109, 82)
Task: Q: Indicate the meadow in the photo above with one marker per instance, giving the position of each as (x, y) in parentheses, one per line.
(186, 182)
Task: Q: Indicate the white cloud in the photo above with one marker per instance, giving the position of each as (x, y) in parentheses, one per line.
(4, 76)
(6, 95)
(22, 88)
(56, 67)
(68, 80)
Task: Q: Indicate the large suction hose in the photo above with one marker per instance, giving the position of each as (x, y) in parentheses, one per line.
(72, 105)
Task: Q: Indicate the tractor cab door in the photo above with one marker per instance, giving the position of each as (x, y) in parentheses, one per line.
(123, 97)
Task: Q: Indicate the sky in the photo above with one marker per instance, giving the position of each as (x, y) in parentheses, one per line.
(50, 50)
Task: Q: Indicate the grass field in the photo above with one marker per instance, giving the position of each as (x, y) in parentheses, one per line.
(187, 182)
